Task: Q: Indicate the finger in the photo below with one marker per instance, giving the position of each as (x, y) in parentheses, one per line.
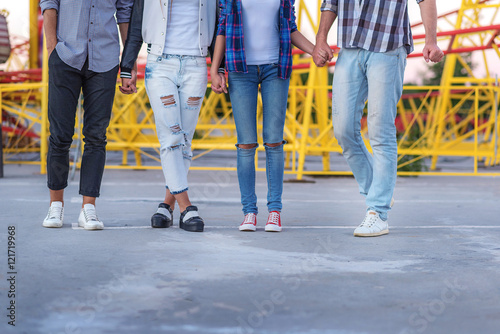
(426, 55)
(330, 53)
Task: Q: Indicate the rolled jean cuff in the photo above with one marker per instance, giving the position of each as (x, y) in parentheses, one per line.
(178, 192)
(89, 193)
(56, 187)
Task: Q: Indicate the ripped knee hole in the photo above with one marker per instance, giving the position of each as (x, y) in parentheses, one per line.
(168, 100)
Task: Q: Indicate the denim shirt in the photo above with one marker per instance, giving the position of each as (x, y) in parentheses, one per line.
(88, 29)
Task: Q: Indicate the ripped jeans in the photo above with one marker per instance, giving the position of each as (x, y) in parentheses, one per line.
(244, 90)
(176, 86)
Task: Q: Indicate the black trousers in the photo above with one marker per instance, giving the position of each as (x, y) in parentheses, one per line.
(98, 89)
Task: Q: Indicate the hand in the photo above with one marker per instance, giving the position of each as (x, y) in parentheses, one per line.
(433, 53)
(219, 83)
(322, 53)
(129, 85)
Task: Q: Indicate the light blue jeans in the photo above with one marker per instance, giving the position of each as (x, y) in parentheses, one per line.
(378, 77)
(176, 87)
(243, 91)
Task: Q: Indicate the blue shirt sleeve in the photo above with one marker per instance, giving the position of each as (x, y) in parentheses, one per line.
(49, 4)
(124, 10)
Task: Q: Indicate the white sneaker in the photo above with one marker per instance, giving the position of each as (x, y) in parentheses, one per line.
(55, 216)
(372, 226)
(249, 223)
(88, 218)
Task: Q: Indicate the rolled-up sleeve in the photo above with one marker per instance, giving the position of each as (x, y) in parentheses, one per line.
(221, 30)
(419, 1)
(124, 10)
(49, 4)
(331, 5)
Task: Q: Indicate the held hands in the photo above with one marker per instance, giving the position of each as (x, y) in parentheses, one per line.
(432, 52)
(218, 83)
(129, 84)
(322, 53)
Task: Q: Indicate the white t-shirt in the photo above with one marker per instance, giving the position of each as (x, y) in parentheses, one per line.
(182, 36)
(261, 31)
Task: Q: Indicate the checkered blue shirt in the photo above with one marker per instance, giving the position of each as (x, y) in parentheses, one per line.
(231, 26)
(373, 25)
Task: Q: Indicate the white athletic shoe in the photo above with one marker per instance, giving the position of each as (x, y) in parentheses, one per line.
(249, 223)
(88, 218)
(372, 226)
(55, 216)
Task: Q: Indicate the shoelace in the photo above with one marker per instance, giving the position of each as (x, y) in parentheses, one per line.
(55, 213)
(369, 220)
(90, 214)
(249, 219)
(274, 218)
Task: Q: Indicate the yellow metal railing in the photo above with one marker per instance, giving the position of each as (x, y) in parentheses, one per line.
(458, 118)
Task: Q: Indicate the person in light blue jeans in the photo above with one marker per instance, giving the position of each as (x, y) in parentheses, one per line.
(179, 35)
(375, 39)
(256, 37)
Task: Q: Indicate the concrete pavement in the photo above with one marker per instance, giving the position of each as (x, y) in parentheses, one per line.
(436, 272)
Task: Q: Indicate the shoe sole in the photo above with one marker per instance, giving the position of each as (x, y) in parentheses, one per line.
(248, 228)
(199, 227)
(91, 227)
(273, 228)
(371, 234)
(52, 225)
(161, 224)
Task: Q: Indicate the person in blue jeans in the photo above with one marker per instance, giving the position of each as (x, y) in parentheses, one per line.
(375, 39)
(256, 37)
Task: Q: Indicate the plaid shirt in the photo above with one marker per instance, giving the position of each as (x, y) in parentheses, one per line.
(231, 26)
(377, 26)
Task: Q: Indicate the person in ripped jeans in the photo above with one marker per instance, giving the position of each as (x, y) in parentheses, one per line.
(179, 35)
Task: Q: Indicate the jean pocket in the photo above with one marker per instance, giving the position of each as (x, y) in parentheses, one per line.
(393, 53)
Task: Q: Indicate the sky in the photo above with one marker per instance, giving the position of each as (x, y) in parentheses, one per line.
(19, 25)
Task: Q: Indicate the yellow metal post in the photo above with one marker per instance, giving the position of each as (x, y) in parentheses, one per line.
(34, 37)
(44, 131)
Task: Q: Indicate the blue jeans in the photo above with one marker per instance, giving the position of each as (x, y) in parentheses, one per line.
(176, 87)
(243, 90)
(361, 74)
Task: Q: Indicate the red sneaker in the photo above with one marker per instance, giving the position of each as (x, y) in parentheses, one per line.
(250, 223)
(273, 222)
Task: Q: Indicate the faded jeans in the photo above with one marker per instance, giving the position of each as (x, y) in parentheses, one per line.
(176, 87)
(243, 90)
(378, 77)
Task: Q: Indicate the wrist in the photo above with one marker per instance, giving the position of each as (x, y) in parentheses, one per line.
(321, 38)
(431, 40)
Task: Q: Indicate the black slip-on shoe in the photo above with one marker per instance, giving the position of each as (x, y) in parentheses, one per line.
(190, 220)
(163, 217)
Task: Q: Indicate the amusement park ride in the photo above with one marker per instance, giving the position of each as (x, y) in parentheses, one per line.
(458, 118)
